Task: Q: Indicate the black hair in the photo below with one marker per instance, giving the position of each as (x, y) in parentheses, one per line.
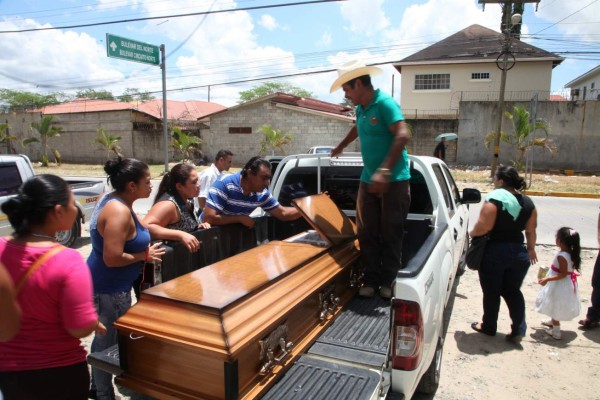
(178, 174)
(35, 198)
(570, 238)
(511, 177)
(254, 164)
(365, 79)
(121, 171)
(223, 154)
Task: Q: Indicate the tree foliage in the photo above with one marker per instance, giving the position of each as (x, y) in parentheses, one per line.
(7, 139)
(268, 88)
(109, 142)
(46, 131)
(133, 94)
(521, 137)
(184, 144)
(93, 94)
(16, 100)
(274, 139)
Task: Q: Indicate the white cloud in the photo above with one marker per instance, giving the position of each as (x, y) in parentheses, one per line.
(52, 60)
(582, 18)
(366, 16)
(267, 22)
(324, 40)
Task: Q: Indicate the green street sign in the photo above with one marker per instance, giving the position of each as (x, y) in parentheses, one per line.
(132, 50)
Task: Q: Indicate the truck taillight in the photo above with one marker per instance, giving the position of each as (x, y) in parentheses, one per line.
(407, 334)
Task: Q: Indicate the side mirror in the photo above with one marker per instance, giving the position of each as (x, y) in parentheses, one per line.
(470, 196)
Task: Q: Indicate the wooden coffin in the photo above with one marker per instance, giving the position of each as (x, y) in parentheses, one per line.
(229, 330)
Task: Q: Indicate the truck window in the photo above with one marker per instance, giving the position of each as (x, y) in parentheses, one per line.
(453, 188)
(439, 175)
(10, 179)
(342, 185)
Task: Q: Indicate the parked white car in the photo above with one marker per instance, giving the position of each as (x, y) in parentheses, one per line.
(320, 150)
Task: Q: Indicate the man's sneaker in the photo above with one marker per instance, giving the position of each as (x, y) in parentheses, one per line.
(385, 292)
(554, 332)
(366, 291)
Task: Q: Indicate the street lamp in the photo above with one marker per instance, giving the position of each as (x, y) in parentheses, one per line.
(515, 19)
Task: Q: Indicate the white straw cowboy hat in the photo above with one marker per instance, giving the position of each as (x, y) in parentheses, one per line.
(352, 70)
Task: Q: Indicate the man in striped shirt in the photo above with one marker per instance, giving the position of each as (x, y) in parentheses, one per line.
(233, 198)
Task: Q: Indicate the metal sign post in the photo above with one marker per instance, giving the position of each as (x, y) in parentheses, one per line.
(145, 53)
(163, 66)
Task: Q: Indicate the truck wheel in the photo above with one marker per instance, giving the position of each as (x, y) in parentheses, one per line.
(462, 263)
(431, 380)
(67, 238)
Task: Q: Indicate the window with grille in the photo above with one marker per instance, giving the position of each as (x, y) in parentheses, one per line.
(243, 130)
(480, 75)
(432, 81)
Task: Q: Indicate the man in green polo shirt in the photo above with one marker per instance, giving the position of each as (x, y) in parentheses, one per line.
(384, 192)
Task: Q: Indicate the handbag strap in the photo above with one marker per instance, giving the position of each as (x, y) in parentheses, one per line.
(36, 265)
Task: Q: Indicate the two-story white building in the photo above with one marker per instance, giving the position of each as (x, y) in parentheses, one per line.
(465, 66)
(586, 86)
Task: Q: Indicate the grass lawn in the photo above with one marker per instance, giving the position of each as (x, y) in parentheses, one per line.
(465, 177)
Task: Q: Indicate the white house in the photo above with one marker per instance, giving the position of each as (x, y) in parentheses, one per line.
(465, 66)
(585, 87)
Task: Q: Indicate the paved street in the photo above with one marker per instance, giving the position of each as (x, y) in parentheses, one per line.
(555, 212)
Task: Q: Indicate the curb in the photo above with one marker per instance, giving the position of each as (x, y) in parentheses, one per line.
(562, 194)
(558, 194)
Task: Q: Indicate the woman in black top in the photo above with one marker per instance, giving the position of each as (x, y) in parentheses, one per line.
(504, 216)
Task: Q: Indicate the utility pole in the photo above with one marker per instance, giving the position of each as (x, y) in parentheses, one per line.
(502, 62)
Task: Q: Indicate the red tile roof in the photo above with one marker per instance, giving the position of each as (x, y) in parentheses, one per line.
(190, 110)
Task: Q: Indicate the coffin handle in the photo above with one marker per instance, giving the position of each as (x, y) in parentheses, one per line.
(132, 337)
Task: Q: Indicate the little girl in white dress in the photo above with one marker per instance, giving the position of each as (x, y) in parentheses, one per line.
(559, 296)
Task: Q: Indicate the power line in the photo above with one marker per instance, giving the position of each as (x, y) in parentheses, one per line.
(557, 22)
(173, 16)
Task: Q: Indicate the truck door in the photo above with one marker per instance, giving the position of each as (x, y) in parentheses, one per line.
(457, 220)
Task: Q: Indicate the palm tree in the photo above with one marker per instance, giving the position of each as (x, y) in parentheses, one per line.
(274, 139)
(109, 142)
(184, 143)
(46, 130)
(7, 139)
(521, 138)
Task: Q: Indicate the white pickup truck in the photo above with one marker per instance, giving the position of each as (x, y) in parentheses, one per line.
(398, 348)
(378, 348)
(16, 169)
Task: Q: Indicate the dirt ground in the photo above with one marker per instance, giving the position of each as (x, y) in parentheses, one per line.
(477, 367)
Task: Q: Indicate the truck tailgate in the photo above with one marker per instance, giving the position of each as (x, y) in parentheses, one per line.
(359, 335)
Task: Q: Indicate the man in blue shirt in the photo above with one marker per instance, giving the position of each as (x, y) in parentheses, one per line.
(384, 191)
(233, 198)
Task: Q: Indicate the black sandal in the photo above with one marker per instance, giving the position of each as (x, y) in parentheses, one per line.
(587, 324)
(480, 330)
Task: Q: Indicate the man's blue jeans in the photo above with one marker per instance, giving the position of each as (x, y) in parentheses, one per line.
(109, 307)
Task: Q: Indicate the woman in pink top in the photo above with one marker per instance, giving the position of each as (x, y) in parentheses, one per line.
(45, 360)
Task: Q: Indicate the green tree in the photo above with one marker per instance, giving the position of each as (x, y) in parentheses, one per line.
(95, 94)
(7, 139)
(16, 100)
(521, 137)
(185, 144)
(274, 139)
(109, 142)
(133, 94)
(270, 88)
(46, 131)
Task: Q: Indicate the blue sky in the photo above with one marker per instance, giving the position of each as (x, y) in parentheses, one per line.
(218, 49)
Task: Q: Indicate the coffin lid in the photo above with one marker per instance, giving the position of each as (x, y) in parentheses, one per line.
(326, 218)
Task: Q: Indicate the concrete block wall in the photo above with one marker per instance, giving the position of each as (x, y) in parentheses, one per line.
(424, 131)
(307, 128)
(574, 127)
